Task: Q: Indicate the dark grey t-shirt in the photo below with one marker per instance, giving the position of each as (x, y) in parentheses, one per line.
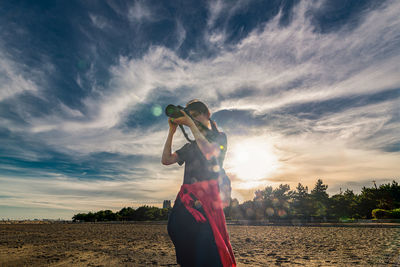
(197, 167)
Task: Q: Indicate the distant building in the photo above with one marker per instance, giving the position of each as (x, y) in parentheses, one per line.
(166, 204)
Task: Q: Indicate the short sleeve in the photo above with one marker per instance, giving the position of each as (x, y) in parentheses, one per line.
(182, 154)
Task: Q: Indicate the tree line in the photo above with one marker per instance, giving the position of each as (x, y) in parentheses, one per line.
(143, 213)
(282, 203)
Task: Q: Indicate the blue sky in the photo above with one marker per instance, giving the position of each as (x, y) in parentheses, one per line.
(303, 89)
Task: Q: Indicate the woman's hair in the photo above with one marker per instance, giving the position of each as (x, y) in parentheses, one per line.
(200, 107)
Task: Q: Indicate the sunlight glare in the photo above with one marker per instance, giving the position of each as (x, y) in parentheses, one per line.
(253, 159)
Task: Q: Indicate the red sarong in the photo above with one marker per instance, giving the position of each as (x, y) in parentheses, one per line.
(207, 195)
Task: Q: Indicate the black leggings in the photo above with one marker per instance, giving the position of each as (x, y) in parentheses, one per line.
(194, 242)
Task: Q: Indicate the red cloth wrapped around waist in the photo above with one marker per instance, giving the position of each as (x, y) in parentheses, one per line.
(206, 195)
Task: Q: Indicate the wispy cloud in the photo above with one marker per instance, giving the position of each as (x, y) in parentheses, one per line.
(285, 65)
(62, 192)
(99, 21)
(12, 79)
(140, 12)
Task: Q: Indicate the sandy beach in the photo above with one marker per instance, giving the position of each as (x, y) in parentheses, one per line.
(101, 244)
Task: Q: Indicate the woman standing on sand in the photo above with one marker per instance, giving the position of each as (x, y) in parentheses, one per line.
(196, 224)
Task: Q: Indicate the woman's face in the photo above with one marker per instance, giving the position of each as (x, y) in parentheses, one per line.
(199, 117)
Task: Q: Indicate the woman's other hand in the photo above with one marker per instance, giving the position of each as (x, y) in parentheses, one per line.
(172, 125)
(185, 120)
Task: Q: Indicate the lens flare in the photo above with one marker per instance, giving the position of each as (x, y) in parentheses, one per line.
(156, 110)
(215, 168)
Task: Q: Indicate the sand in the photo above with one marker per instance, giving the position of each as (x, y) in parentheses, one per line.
(121, 244)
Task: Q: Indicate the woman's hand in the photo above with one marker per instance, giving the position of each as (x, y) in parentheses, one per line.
(172, 125)
(185, 120)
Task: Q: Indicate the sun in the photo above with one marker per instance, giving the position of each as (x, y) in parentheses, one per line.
(252, 159)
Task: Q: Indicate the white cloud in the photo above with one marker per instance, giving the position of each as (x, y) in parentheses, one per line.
(215, 8)
(139, 12)
(99, 21)
(180, 34)
(12, 80)
(332, 161)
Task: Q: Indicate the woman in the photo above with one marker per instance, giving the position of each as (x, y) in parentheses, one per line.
(196, 224)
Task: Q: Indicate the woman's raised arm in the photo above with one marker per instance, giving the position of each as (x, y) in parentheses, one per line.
(169, 158)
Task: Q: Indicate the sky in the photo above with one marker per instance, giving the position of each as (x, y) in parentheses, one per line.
(304, 90)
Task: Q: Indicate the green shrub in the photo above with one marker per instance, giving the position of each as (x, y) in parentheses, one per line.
(346, 219)
(381, 214)
(395, 213)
